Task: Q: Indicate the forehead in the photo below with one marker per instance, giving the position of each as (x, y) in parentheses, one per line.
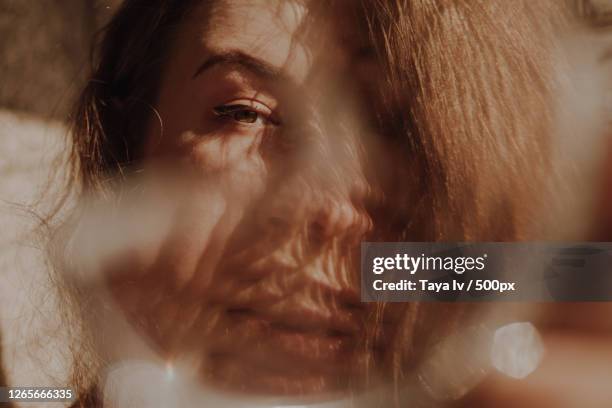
(283, 33)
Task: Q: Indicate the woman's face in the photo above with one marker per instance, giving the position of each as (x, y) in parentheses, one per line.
(261, 125)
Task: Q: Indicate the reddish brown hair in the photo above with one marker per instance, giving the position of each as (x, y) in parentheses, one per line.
(468, 91)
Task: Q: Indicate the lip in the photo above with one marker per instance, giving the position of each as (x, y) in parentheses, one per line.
(257, 340)
(291, 297)
(252, 354)
(255, 310)
(283, 328)
(283, 346)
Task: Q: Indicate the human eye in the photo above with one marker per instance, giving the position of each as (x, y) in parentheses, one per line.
(248, 113)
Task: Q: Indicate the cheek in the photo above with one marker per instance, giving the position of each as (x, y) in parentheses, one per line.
(231, 163)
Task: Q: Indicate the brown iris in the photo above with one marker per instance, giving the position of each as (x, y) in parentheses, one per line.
(239, 113)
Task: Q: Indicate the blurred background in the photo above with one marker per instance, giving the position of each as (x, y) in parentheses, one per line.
(45, 53)
(45, 49)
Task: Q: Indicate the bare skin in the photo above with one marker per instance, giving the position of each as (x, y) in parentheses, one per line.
(248, 274)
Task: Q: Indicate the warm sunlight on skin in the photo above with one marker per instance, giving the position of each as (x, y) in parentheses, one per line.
(227, 158)
(253, 274)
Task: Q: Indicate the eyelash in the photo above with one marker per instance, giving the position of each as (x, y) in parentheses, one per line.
(232, 112)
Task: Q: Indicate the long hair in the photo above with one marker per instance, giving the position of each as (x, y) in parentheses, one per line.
(470, 94)
(468, 89)
(126, 65)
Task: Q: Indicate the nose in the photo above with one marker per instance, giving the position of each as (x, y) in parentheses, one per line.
(324, 196)
(334, 215)
(302, 206)
(319, 181)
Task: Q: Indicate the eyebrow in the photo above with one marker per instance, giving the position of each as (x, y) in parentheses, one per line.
(253, 64)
